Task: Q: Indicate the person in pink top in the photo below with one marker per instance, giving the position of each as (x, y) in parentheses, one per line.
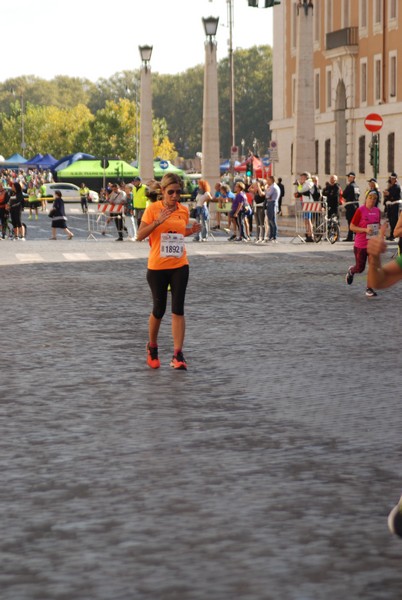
(365, 224)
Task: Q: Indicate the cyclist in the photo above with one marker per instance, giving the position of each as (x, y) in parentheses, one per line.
(165, 223)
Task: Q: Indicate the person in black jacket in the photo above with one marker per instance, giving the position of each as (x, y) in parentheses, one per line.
(351, 195)
(16, 204)
(332, 192)
(392, 195)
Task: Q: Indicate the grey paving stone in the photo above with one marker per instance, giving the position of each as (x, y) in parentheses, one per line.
(266, 471)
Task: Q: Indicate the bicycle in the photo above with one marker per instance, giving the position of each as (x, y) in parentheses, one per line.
(328, 228)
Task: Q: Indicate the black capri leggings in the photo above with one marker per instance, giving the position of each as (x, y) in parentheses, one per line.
(159, 281)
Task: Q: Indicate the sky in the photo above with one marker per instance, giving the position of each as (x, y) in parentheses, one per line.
(93, 39)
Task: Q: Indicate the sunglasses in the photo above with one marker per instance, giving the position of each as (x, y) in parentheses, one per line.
(171, 192)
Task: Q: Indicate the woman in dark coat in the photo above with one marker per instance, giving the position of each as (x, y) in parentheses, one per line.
(59, 219)
(16, 204)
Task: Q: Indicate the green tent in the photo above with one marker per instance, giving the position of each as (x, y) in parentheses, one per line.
(85, 169)
(159, 171)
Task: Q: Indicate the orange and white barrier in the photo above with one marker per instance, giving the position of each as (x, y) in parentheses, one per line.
(107, 207)
(313, 207)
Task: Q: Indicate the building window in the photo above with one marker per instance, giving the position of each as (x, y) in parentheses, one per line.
(293, 94)
(391, 152)
(327, 158)
(317, 90)
(317, 23)
(392, 76)
(363, 14)
(294, 26)
(363, 82)
(377, 78)
(362, 154)
(377, 12)
(291, 157)
(392, 10)
(329, 88)
(317, 146)
(345, 13)
(328, 16)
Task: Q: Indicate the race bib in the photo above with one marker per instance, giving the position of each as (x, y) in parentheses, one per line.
(373, 230)
(172, 245)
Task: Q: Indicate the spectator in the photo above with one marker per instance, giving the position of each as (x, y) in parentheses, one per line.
(33, 201)
(139, 200)
(202, 213)
(118, 199)
(351, 195)
(392, 196)
(227, 196)
(84, 193)
(303, 193)
(237, 214)
(16, 204)
(281, 196)
(218, 198)
(258, 189)
(129, 213)
(272, 193)
(59, 219)
(373, 187)
(332, 192)
(4, 199)
(42, 194)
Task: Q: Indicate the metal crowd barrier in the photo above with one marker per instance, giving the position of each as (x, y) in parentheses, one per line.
(100, 222)
(304, 211)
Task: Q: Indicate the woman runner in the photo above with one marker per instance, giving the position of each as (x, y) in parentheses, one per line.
(166, 224)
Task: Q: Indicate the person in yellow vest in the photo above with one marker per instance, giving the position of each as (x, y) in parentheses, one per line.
(139, 201)
(42, 195)
(33, 201)
(84, 193)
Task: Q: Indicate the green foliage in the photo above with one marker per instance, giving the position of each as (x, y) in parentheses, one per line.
(69, 114)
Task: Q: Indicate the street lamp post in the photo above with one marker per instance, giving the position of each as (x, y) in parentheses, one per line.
(231, 89)
(210, 122)
(146, 157)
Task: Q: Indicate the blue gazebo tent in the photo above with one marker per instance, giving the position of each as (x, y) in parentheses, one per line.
(33, 162)
(47, 162)
(14, 161)
(68, 160)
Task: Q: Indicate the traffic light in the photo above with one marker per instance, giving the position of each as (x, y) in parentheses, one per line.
(249, 169)
(372, 153)
(253, 3)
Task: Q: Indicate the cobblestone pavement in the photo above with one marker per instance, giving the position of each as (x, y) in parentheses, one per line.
(264, 472)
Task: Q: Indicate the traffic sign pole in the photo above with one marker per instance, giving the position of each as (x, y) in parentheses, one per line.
(373, 122)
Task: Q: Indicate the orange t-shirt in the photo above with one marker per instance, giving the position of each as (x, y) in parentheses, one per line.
(176, 223)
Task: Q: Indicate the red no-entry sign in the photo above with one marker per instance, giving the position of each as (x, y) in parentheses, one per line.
(373, 122)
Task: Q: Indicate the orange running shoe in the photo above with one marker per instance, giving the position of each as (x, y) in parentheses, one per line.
(152, 357)
(179, 362)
